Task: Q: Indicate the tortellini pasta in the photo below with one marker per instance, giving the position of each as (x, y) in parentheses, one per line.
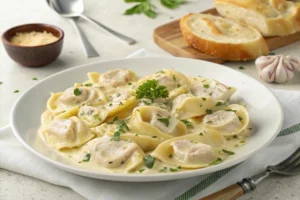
(191, 151)
(66, 133)
(165, 122)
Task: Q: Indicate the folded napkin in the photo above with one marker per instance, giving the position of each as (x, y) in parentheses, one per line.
(14, 157)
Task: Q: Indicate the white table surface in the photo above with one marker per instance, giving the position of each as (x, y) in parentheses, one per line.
(16, 77)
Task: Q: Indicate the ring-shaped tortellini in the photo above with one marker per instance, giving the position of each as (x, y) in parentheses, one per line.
(229, 121)
(71, 97)
(191, 151)
(120, 156)
(92, 116)
(176, 82)
(146, 142)
(157, 122)
(211, 88)
(186, 106)
(66, 133)
(116, 78)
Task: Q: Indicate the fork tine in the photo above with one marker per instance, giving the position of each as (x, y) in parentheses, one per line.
(289, 160)
(292, 165)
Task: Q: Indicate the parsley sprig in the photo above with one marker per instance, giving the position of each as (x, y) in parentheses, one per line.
(149, 161)
(146, 7)
(152, 90)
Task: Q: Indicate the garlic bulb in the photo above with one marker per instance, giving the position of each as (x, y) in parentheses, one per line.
(277, 68)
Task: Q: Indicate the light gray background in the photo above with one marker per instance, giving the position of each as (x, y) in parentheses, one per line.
(16, 77)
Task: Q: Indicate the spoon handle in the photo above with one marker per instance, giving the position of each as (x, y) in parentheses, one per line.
(88, 48)
(128, 40)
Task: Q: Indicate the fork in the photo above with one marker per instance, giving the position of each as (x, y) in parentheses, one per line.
(288, 167)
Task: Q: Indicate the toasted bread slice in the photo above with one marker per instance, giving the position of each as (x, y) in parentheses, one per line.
(270, 17)
(222, 38)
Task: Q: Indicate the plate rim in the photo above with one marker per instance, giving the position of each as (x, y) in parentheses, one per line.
(142, 177)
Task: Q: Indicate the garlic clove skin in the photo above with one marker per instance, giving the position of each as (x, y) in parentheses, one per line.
(277, 68)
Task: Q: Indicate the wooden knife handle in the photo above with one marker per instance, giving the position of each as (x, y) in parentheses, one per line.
(230, 193)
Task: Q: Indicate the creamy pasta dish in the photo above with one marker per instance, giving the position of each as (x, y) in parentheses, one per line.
(164, 123)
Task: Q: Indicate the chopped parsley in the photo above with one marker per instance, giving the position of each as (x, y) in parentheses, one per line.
(170, 155)
(209, 111)
(87, 157)
(187, 123)
(200, 105)
(35, 79)
(174, 78)
(220, 103)
(165, 121)
(88, 84)
(209, 122)
(243, 141)
(250, 129)
(228, 152)
(201, 134)
(272, 54)
(77, 92)
(204, 99)
(149, 161)
(1, 82)
(241, 67)
(154, 136)
(163, 169)
(16, 91)
(152, 90)
(119, 94)
(178, 85)
(240, 118)
(230, 110)
(141, 170)
(206, 85)
(217, 161)
(122, 127)
(129, 83)
(175, 169)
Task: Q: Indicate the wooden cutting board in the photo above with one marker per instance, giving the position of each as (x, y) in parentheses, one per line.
(169, 38)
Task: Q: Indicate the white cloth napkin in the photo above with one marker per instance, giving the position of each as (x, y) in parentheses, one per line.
(14, 157)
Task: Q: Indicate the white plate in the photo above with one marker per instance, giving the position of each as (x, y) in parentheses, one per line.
(264, 109)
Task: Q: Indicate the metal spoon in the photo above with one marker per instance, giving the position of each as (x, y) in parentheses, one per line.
(88, 48)
(75, 8)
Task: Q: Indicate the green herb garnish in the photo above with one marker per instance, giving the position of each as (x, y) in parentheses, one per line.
(96, 117)
(152, 90)
(201, 134)
(35, 79)
(87, 157)
(175, 169)
(119, 94)
(240, 118)
(172, 3)
(165, 121)
(129, 83)
(230, 110)
(77, 92)
(241, 67)
(220, 103)
(143, 6)
(206, 85)
(163, 169)
(146, 102)
(16, 91)
(1, 82)
(170, 155)
(149, 161)
(141, 170)
(154, 136)
(187, 123)
(272, 54)
(122, 128)
(88, 84)
(217, 161)
(209, 111)
(203, 99)
(228, 152)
